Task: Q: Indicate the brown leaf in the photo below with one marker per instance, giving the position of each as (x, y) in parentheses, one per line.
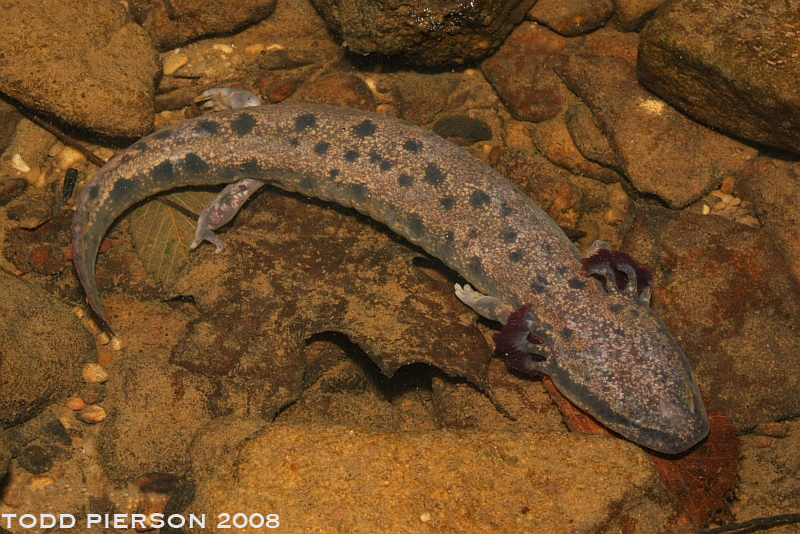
(703, 478)
(295, 268)
(162, 229)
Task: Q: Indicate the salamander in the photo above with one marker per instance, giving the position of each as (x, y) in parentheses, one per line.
(585, 322)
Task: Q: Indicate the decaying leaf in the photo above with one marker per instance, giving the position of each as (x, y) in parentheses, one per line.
(703, 479)
(162, 229)
(293, 268)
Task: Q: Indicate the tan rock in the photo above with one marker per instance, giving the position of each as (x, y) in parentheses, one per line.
(342, 479)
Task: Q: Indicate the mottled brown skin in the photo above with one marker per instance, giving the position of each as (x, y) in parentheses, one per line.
(608, 353)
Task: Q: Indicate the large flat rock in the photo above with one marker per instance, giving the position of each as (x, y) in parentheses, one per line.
(338, 479)
(731, 65)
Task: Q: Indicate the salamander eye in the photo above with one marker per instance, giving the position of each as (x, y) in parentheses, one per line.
(618, 272)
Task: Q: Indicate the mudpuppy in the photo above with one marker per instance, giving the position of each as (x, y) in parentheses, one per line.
(585, 322)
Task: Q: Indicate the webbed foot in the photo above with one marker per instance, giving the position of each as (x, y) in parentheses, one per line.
(222, 98)
(617, 272)
(490, 307)
(524, 343)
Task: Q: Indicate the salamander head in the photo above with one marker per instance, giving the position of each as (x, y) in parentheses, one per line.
(613, 358)
(611, 355)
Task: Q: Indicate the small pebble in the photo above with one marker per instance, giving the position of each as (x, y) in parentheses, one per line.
(56, 149)
(224, 48)
(103, 338)
(35, 176)
(116, 343)
(93, 372)
(92, 414)
(18, 163)
(736, 201)
(172, 62)
(69, 157)
(727, 185)
(48, 260)
(425, 517)
(280, 90)
(93, 393)
(75, 404)
(706, 209)
(719, 206)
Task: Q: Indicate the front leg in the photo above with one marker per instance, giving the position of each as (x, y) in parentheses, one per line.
(221, 210)
(492, 308)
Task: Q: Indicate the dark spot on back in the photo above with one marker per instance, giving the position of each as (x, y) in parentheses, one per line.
(412, 145)
(163, 171)
(351, 155)
(364, 129)
(123, 187)
(405, 180)
(374, 157)
(478, 199)
(251, 167)
(615, 308)
(505, 209)
(93, 191)
(433, 174)
(473, 233)
(509, 236)
(566, 333)
(415, 226)
(574, 283)
(447, 202)
(386, 165)
(358, 192)
(449, 237)
(561, 270)
(634, 313)
(333, 173)
(294, 142)
(515, 256)
(321, 148)
(195, 164)
(243, 124)
(304, 122)
(208, 126)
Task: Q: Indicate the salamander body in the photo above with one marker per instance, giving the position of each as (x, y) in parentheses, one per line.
(584, 322)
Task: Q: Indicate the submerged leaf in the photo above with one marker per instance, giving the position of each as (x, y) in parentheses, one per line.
(703, 479)
(162, 229)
